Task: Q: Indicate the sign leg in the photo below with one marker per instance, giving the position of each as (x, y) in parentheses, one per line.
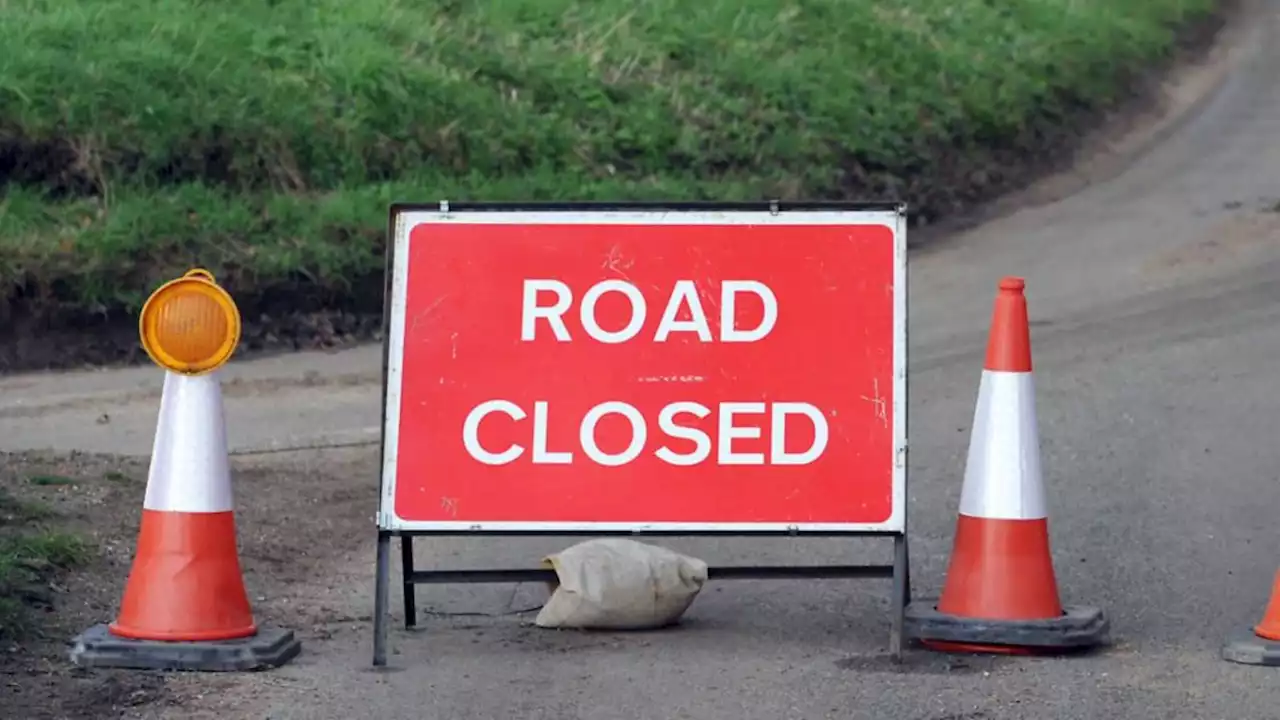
(410, 595)
(901, 595)
(906, 572)
(382, 586)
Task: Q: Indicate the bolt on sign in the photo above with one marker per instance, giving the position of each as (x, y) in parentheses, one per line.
(670, 369)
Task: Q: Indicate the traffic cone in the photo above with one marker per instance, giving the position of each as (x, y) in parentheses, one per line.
(184, 605)
(186, 582)
(1262, 645)
(1001, 593)
(1269, 628)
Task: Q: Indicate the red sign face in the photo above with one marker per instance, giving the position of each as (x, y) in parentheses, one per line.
(672, 370)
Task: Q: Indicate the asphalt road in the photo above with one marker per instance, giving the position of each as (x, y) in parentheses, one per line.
(1155, 300)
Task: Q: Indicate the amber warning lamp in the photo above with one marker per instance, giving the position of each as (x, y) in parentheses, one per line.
(190, 325)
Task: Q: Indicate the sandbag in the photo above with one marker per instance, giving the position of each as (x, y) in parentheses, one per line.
(620, 584)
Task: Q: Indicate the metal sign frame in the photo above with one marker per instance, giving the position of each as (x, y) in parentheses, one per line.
(389, 526)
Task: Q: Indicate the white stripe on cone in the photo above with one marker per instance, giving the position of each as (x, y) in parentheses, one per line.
(189, 470)
(1002, 476)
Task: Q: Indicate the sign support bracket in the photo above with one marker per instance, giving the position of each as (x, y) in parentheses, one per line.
(898, 572)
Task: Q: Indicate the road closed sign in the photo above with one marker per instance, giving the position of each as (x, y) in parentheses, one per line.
(646, 368)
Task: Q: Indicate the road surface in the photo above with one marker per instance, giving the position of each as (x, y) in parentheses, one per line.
(1155, 300)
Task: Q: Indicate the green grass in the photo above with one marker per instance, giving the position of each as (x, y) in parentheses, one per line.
(31, 556)
(264, 139)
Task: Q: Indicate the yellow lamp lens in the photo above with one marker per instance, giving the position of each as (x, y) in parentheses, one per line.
(190, 325)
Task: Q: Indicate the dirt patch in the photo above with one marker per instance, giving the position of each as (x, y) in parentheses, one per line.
(295, 514)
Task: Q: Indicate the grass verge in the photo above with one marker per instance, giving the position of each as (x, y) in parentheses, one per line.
(32, 559)
(264, 140)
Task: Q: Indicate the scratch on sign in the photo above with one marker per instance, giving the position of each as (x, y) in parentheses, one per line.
(616, 263)
(425, 314)
(704, 292)
(449, 505)
(878, 402)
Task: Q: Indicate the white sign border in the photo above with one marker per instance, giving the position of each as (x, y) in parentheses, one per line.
(405, 220)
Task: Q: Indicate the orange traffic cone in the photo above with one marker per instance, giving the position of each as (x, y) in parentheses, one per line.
(184, 604)
(1269, 628)
(1262, 645)
(1001, 593)
(186, 582)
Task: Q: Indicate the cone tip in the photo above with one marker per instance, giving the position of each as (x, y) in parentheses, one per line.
(1009, 344)
(1013, 284)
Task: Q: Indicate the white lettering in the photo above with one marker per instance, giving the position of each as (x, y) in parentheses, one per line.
(721, 439)
(541, 456)
(530, 311)
(778, 454)
(686, 291)
(667, 422)
(587, 433)
(471, 432)
(588, 311)
(729, 289)
(728, 433)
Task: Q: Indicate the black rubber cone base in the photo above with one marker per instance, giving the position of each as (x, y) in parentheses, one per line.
(1078, 628)
(1246, 648)
(270, 647)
